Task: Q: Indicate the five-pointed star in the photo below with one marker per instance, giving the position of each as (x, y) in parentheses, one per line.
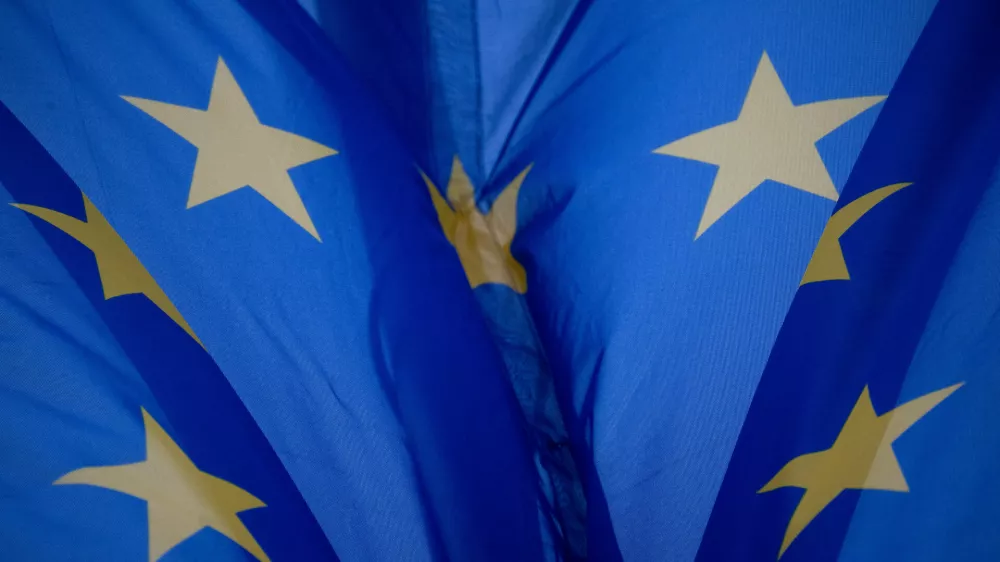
(482, 242)
(235, 150)
(861, 459)
(827, 263)
(120, 270)
(772, 139)
(181, 499)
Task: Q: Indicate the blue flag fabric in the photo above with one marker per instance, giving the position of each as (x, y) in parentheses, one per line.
(856, 398)
(664, 250)
(455, 75)
(475, 281)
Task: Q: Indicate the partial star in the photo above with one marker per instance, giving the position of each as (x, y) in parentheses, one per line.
(827, 263)
(772, 139)
(235, 150)
(482, 242)
(181, 500)
(120, 270)
(860, 459)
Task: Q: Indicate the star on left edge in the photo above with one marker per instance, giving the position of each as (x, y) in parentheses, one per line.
(120, 270)
(235, 150)
(181, 499)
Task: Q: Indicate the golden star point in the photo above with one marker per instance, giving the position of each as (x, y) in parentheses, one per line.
(482, 241)
(827, 262)
(771, 139)
(861, 458)
(235, 150)
(120, 270)
(181, 499)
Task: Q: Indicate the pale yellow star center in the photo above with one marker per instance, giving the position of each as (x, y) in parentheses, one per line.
(771, 139)
(861, 458)
(181, 499)
(235, 150)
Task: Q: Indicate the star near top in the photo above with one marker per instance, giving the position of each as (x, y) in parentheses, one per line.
(181, 500)
(860, 459)
(235, 150)
(771, 139)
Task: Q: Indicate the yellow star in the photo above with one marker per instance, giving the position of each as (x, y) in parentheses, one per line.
(181, 500)
(827, 261)
(772, 139)
(121, 272)
(482, 242)
(235, 150)
(860, 459)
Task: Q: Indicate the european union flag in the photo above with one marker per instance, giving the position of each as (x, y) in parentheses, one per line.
(475, 281)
